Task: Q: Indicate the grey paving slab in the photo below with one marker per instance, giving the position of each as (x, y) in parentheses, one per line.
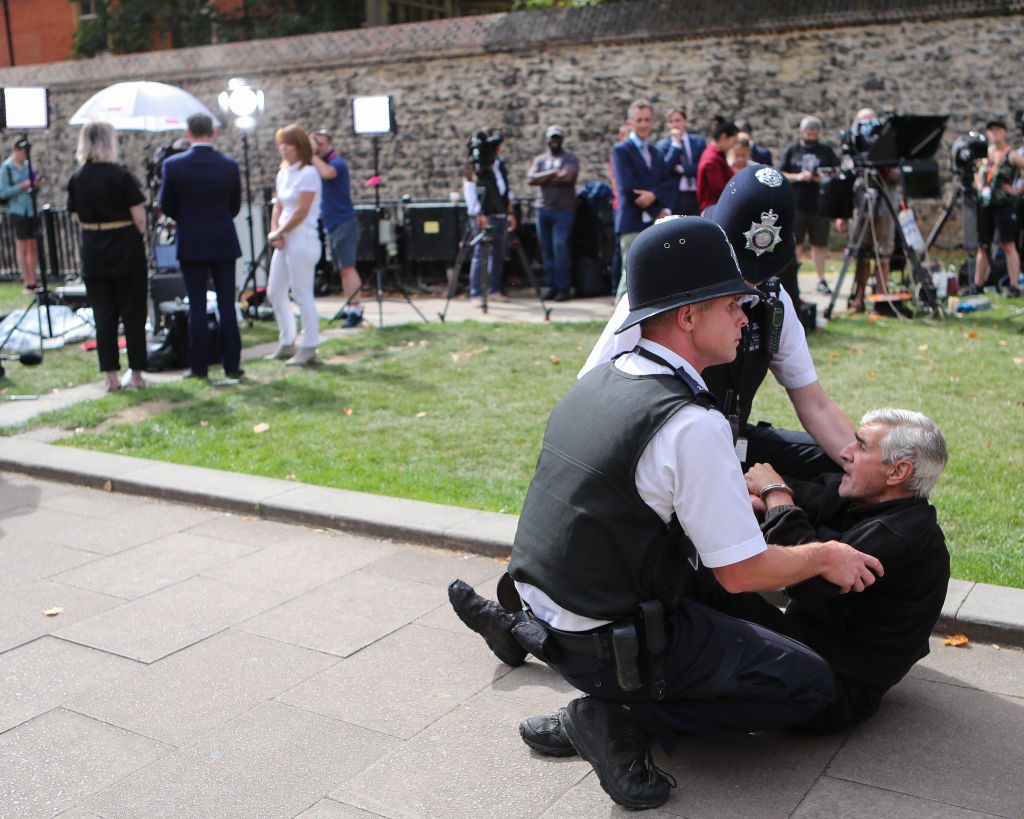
(154, 565)
(535, 685)
(25, 559)
(588, 801)
(165, 621)
(300, 561)
(272, 761)
(94, 503)
(999, 671)
(365, 514)
(953, 744)
(470, 763)
(402, 683)
(23, 619)
(346, 614)
(329, 809)
(993, 612)
(55, 760)
(47, 672)
(436, 567)
(838, 799)
(755, 775)
(25, 494)
(233, 671)
(247, 529)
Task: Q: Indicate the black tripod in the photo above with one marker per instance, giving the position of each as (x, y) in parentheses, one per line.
(924, 288)
(466, 248)
(251, 295)
(967, 196)
(379, 260)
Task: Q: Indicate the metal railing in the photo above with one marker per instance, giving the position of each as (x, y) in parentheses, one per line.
(60, 253)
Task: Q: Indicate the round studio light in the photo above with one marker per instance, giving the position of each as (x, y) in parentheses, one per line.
(242, 101)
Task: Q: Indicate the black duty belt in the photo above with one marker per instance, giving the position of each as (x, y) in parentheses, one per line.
(594, 643)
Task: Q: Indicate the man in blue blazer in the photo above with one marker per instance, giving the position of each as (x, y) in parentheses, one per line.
(201, 190)
(646, 189)
(681, 151)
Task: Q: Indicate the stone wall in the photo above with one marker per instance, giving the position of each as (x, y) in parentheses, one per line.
(578, 68)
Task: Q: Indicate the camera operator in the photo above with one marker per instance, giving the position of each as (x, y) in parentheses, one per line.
(489, 207)
(997, 207)
(16, 192)
(872, 217)
(799, 164)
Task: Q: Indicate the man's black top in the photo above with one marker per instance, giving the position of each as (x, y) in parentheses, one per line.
(807, 156)
(874, 636)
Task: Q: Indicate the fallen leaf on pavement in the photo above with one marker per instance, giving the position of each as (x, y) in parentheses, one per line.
(52, 612)
(957, 640)
(261, 428)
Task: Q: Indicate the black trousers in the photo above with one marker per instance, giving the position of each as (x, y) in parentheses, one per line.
(686, 204)
(793, 454)
(114, 300)
(196, 275)
(723, 676)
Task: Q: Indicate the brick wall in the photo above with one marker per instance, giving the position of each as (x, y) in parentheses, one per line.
(772, 62)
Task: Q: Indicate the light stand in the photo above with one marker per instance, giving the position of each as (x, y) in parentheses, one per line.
(373, 116)
(245, 103)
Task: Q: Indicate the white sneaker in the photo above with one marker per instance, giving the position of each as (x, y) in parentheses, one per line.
(282, 352)
(304, 357)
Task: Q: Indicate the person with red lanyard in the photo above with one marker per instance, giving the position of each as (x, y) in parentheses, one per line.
(997, 208)
(713, 171)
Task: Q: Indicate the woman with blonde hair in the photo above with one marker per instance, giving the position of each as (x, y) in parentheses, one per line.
(293, 235)
(109, 205)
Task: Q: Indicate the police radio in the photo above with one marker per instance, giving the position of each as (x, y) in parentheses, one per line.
(774, 311)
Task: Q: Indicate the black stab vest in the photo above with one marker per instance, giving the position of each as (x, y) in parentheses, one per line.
(585, 537)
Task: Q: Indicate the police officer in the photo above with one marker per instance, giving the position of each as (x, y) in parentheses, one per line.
(757, 211)
(635, 487)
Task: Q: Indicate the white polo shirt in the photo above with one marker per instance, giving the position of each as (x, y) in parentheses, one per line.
(689, 469)
(293, 180)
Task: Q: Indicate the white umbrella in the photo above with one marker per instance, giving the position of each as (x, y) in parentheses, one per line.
(141, 106)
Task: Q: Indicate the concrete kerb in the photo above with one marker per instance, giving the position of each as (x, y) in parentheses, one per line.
(984, 612)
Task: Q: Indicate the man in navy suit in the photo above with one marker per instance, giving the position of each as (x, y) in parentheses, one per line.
(646, 188)
(681, 151)
(201, 190)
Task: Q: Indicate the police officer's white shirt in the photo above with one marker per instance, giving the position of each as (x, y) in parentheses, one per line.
(791, 365)
(688, 468)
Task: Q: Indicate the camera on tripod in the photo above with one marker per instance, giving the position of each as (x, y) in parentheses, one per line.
(483, 150)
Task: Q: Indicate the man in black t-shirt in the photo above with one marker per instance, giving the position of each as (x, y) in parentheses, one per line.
(800, 164)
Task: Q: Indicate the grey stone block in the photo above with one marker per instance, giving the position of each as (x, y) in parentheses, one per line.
(299, 560)
(977, 665)
(23, 619)
(48, 672)
(402, 683)
(942, 742)
(329, 809)
(363, 513)
(270, 762)
(848, 800)
(168, 620)
(346, 614)
(470, 763)
(434, 566)
(144, 569)
(993, 613)
(233, 671)
(64, 463)
(57, 759)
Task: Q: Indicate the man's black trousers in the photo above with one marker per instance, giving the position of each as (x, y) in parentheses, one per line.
(222, 274)
(723, 676)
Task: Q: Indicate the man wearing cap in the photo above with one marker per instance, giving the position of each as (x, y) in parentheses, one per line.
(800, 163)
(635, 488)
(554, 174)
(756, 212)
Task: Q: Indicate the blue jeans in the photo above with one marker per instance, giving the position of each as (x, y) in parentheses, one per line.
(553, 230)
(496, 257)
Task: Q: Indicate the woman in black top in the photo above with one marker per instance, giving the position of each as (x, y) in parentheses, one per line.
(109, 205)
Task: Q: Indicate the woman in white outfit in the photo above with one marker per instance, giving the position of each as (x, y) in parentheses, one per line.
(296, 246)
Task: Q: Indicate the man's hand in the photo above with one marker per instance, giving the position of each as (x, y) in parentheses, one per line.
(758, 505)
(644, 199)
(481, 221)
(849, 569)
(760, 475)
(841, 225)
(510, 223)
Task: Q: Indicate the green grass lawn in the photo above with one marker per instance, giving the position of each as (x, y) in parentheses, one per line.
(455, 413)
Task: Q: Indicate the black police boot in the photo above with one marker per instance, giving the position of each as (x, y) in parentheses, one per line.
(489, 620)
(545, 735)
(619, 751)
